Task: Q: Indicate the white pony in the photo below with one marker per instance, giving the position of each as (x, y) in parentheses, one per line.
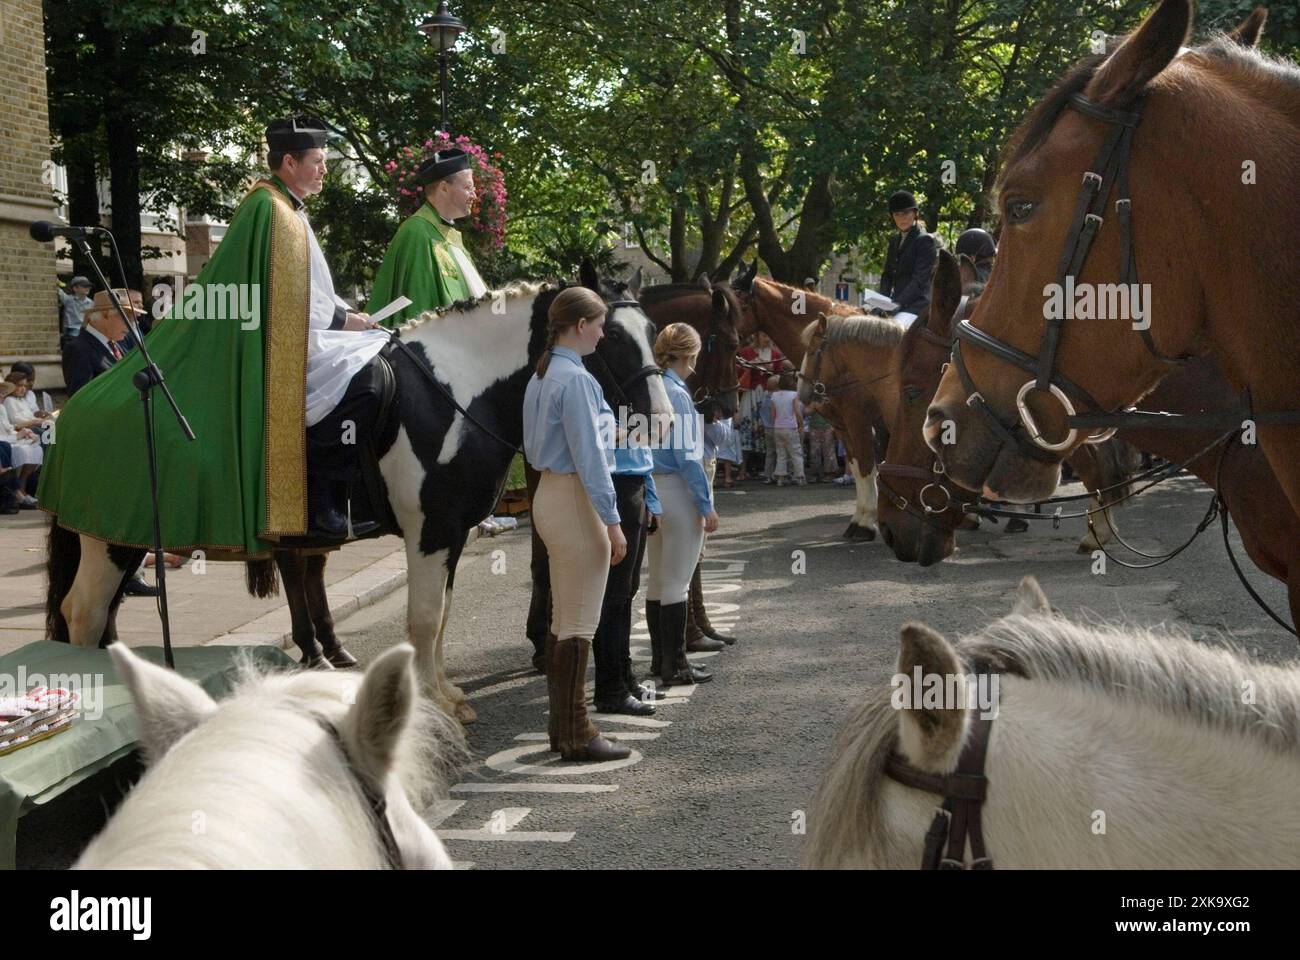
(1114, 747)
(303, 769)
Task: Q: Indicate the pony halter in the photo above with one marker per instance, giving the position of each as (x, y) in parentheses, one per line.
(1113, 164)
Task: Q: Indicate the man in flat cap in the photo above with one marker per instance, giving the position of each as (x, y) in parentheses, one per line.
(427, 260)
(260, 369)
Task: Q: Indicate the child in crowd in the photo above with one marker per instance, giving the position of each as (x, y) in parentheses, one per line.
(787, 427)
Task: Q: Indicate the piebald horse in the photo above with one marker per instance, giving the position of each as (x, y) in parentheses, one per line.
(442, 473)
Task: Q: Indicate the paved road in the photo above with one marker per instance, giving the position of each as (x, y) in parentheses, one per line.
(725, 771)
(721, 782)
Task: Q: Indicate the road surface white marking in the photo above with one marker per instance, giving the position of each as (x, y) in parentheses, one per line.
(534, 788)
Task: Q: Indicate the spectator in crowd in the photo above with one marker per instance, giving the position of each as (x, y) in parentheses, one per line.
(73, 306)
(787, 429)
(97, 347)
(752, 385)
(822, 464)
(24, 453)
(20, 406)
(770, 386)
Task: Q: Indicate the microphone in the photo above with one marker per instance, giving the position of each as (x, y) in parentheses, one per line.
(43, 231)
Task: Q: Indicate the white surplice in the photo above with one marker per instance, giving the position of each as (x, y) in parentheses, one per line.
(334, 357)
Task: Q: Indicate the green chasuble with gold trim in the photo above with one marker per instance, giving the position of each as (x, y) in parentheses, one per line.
(233, 351)
(421, 264)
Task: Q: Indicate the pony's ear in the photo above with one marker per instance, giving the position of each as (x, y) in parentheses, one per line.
(587, 274)
(821, 324)
(945, 294)
(721, 306)
(374, 726)
(168, 705)
(1248, 32)
(1030, 600)
(745, 279)
(1143, 54)
(966, 265)
(634, 284)
(930, 736)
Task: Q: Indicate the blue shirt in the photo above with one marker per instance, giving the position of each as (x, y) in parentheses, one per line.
(716, 434)
(765, 411)
(681, 451)
(568, 428)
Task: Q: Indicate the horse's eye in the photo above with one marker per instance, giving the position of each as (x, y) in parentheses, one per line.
(912, 394)
(1018, 211)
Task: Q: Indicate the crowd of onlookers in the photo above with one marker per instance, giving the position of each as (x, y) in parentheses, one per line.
(773, 436)
(23, 437)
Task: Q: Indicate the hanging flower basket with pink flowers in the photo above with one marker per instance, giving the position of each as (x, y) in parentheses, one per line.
(486, 224)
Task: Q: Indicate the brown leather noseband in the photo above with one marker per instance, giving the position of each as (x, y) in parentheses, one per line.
(964, 792)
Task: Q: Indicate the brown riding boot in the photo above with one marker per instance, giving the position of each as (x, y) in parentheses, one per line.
(696, 641)
(699, 615)
(552, 730)
(577, 736)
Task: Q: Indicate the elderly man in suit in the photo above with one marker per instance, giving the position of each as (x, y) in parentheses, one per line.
(91, 353)
(97, 347)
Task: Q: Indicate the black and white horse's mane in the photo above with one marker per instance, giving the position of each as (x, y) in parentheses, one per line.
(511, 291)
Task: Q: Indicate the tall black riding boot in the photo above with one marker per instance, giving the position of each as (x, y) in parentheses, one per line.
(656, 640)
(674, 667)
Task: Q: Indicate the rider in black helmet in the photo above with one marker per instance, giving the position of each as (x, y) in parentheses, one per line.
(910, 260)
(980, 247)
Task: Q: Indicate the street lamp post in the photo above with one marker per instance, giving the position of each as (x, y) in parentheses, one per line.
(444, 28)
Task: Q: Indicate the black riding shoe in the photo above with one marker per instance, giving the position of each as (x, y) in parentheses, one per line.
(598, 748)
(316, 661)
(330, 524)
(630, 706)
(333, 525)
(136, 587)
(339, 658)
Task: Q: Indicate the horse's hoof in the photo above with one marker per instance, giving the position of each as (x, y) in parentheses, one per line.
(851, 532)
(465, 713)
(868, 533)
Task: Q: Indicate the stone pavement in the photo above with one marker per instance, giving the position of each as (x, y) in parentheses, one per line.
(208, 607)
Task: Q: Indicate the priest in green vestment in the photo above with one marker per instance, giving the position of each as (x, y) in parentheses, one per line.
(234, 351)
(427, 261)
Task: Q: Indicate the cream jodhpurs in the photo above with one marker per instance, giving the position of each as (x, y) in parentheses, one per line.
(673, 552)
(577, 545)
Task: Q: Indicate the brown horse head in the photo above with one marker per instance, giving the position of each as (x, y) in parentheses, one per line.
(713, 311)
(1194, 119)
(911, 478)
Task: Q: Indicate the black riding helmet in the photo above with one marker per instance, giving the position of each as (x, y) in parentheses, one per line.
(977, 244)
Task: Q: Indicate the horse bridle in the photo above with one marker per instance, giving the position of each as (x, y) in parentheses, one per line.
(933, 477)
(821, 392)
(710, 396)
(650, 370)
(964, 791)
(1112, 162)
(375, 799)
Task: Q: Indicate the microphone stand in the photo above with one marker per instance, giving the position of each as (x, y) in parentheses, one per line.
(145, 380)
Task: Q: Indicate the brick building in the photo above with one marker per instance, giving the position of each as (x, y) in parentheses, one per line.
(27, 284)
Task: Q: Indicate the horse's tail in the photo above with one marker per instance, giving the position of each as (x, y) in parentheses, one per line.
(259, 575)
(63, 556)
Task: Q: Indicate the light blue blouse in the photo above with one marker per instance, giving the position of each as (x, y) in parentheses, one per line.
(568, 428)
(681, 452)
